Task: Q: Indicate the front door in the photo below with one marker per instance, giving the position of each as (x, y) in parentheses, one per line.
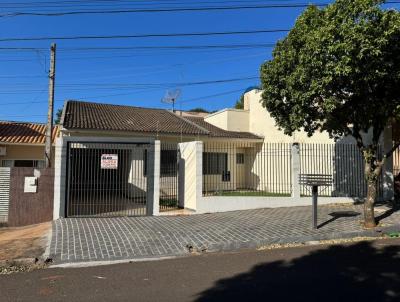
(240, 168)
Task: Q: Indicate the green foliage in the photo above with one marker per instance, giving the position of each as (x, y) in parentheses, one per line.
(337, 70)
(58, 116)
(240, 102)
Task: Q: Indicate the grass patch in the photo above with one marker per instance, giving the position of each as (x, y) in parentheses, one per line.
(168, 202)
(250, 193)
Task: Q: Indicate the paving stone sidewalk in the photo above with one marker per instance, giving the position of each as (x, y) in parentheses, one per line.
(105, 239)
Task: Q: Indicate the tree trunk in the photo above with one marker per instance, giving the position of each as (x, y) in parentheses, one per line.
(369, 217)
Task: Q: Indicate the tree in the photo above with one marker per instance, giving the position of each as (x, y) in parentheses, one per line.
(57, 120)
(199, 109)
(240, 102)
(338, 70)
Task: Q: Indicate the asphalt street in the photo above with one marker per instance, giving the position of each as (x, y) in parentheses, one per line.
(363, 271)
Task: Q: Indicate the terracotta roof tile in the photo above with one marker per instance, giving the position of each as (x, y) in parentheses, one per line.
(25, 133)
(85, 115)
(96, 116)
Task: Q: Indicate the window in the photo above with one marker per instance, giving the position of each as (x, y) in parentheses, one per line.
(239, 158)
(23, 163)
(168, 162)
(145, 162)
(215, 163)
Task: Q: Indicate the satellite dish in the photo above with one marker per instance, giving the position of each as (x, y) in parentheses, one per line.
(170, 97)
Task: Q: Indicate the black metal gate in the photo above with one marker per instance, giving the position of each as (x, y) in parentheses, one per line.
(106, 179)
(169, 177)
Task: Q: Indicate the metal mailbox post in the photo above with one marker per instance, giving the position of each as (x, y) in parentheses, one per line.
(315, 181)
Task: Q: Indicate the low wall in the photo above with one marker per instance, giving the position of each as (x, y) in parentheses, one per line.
(216, 204)
(30, 208)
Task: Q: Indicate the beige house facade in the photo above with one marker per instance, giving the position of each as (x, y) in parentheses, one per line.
(228, 160)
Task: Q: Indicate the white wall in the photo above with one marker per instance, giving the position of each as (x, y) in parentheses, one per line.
(230, 119)
(190, 170)
(261, 123)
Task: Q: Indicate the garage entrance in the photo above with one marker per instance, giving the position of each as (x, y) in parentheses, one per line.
(106, 179)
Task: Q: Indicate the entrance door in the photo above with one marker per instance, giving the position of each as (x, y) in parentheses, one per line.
(240, 169)
(106, 179)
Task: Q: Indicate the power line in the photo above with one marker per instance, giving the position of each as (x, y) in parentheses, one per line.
(162, 10)
(156, 47)
(192, 34)
(141, 86)
(211, 95)
(157, 10)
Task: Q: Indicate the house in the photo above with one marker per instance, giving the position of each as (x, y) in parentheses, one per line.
(114, 160)
(95, 135)
(22, 150)
(22, 144)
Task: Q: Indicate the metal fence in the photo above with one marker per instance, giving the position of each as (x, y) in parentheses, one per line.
(251, 169)
(343, 161)
(247, 169)
(106, 179)
(168, 177)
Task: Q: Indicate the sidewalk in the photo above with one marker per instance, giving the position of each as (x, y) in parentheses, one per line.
(108, 239)
(24, 242)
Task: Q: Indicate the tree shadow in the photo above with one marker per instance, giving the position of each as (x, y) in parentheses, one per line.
(358, 272)
(337, 215)
(393, 208)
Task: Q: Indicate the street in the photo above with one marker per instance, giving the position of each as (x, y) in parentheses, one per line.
(359, 271)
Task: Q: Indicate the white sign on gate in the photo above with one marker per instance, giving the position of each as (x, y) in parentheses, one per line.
(109, 161)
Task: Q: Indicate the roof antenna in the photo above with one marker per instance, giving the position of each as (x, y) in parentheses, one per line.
(171, 96)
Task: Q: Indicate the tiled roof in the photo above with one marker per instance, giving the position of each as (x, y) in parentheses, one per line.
(24, 133)
(218, 132)
(96, 116)
(85, 115)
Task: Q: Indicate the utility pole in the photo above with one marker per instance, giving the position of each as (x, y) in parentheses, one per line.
(49, 129)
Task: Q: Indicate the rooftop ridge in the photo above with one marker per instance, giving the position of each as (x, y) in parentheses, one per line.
(190, 122)
(116, 105)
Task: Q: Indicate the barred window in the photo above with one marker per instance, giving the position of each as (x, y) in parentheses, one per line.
(215, 163)
(239, 158)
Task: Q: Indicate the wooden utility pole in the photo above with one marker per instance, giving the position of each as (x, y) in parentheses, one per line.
(49, 129)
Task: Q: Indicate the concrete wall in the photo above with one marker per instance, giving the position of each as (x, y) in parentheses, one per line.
(215, 204)
(190, 174)
(30, 208)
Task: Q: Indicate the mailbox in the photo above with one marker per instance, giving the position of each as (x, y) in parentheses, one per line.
(30, 185)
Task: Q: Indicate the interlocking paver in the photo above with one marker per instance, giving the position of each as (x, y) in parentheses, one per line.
(93, 239)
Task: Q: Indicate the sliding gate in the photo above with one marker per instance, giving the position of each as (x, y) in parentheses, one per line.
(106, 179)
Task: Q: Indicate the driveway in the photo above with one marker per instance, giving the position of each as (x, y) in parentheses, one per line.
(107, 239)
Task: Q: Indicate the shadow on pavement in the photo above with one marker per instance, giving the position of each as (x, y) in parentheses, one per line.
(358, 272)
(337, 215)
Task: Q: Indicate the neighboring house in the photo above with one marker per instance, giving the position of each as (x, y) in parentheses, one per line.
(255, 118)
(22, 144)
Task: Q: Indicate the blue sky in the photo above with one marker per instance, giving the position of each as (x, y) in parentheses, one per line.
(108, 76)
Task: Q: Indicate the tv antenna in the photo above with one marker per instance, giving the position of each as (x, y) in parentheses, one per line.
(171, 96)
